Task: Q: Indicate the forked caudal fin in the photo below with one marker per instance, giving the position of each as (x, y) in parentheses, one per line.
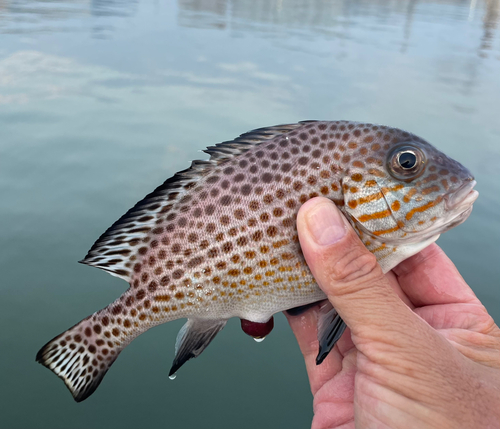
(81, 356)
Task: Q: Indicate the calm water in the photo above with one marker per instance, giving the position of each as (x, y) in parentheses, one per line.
(101, 101)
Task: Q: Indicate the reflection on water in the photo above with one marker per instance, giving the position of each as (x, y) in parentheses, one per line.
(101, 101)
(265, 16)
(327, 18)
(41, 16)
(119, 8)
(336, 19)
(490, 23)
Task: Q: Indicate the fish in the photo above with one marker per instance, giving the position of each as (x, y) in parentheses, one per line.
(219, 239)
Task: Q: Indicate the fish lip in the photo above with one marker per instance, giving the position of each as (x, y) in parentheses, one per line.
(459, 202)
(462, 216)
(464, 196)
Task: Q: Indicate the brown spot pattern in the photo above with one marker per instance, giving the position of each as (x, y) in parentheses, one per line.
(230, 233)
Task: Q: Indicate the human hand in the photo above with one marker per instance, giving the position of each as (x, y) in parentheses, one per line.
(421, 351)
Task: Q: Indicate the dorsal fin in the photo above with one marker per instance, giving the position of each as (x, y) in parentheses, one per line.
(113, 249)
(229, 149)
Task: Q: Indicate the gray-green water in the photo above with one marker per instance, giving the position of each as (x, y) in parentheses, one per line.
(101, 101)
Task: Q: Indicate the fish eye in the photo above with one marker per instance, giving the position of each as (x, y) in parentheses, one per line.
(406, 161)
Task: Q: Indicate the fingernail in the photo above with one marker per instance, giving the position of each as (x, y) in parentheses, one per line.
(325, 224)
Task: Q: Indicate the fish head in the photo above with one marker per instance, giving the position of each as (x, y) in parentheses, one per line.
(407, 191)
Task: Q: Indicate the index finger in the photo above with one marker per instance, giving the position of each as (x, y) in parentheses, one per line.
(429, 277)
(304, 327)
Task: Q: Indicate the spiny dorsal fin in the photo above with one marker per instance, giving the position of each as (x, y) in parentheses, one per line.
(229, 149)
(112, 251)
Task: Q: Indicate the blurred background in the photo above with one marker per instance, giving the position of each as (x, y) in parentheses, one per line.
(102, 100)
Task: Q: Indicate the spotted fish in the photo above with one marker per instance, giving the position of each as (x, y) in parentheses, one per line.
(219, 240)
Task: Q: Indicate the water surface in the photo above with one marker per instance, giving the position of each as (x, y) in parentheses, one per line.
(101, 101)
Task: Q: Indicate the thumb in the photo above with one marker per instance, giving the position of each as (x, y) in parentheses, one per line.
(348, 273)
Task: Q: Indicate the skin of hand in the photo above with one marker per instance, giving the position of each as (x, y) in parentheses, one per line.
(420, 351)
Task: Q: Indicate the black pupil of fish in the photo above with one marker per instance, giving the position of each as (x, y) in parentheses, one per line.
(407, 160)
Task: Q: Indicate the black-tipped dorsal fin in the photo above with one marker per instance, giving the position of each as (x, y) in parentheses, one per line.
(112, 251)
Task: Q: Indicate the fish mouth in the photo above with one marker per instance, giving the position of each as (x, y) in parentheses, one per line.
(461, 217)
(463, 197)
(458, 204)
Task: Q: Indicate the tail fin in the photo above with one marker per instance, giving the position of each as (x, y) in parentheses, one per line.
(81, 356)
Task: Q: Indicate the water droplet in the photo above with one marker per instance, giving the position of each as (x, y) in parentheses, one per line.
(172, 377)
(259, 340)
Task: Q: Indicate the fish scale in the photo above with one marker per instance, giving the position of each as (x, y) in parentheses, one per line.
(219, 240)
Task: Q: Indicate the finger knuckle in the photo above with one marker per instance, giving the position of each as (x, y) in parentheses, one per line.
(355, 265)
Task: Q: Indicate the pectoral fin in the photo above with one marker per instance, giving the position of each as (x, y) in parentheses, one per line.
(330, 329)
(193, 338)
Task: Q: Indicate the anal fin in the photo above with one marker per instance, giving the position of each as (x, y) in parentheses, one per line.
(193, 338)
(330, 329)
